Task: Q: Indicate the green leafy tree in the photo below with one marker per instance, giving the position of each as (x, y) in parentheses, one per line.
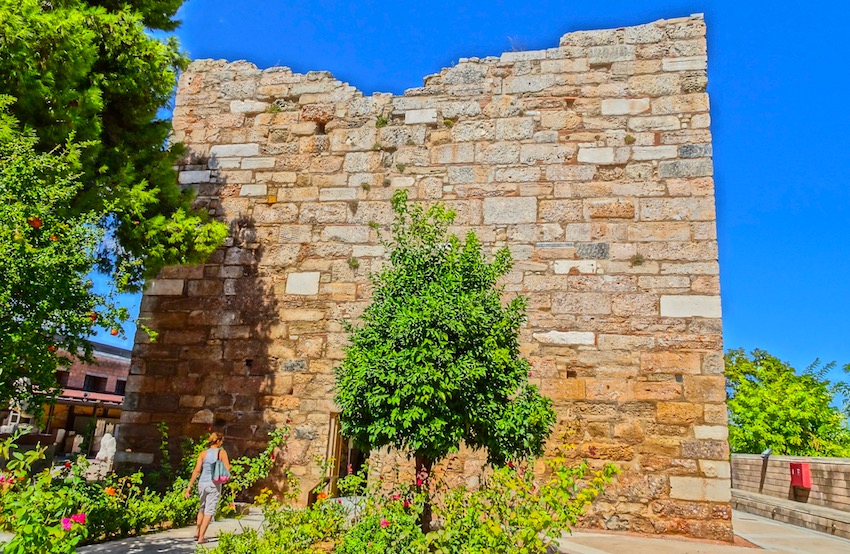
(90, 71)
(436, 361)
(47, 304)
(771, 405)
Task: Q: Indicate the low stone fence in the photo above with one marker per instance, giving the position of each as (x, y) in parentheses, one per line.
(763, 487)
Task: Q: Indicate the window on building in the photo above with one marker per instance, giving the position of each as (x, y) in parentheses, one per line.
(62, 378)
(94, 383)
(120, 386)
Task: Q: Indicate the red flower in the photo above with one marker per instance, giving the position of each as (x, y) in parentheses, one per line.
(35, 222)
(68, 465)
(384, 524)
(396, 496)
(79, 518)
(406, 504)
(419, 482)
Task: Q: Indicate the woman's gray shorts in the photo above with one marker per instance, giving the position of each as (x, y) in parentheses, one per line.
(210, 494)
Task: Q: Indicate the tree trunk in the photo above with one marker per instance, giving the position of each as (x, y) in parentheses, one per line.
(424, 465)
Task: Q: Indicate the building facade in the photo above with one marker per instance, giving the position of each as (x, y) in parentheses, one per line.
(590, 160)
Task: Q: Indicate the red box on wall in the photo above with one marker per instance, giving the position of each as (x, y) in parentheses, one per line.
(801, 475)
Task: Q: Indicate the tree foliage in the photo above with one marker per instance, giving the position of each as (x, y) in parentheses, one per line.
(47, 305)
(436, 361)
(771, 405)
(89, 71)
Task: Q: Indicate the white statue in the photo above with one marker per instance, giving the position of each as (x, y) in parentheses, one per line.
(107, 448)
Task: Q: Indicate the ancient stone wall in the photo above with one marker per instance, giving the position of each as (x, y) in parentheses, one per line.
(591, 161)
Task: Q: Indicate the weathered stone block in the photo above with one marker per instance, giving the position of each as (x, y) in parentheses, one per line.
(654, 152)
(618, 208)
(698, 488)
(413, 117)
(248, 106)
(234, 150)
(716, 432)
(679, 413)
(624, 106)
(575, 266)
(655, 123)
(510, 210)
(306, 283)
(565, 337)
(685, 168)
(598, 55)
(254, 190)
(258, 163)
(191, 177)
(690, 306)
(592, 250)
(689, 63)
(165, 287)
(596, 155)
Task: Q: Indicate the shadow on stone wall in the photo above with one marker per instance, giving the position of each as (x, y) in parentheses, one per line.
(210, 365)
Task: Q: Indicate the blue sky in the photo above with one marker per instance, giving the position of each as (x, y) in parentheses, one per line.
(779, 117)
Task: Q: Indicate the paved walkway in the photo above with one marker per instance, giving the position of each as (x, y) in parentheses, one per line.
(174, 541)
(771, 536)
(766, 534)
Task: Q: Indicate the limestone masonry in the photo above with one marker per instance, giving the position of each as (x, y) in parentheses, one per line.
(591, 161)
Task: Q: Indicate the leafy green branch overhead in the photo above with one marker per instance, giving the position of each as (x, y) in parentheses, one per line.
(86, 176)
(47, 303)
(91, 72)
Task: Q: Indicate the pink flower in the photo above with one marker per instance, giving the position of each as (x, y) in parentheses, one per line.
(396, 496)
(384, 524)
(79, 518)
(419, 482)
(406, 504)
(67, 523)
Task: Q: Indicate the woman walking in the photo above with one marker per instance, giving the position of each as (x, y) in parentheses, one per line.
(209, 492)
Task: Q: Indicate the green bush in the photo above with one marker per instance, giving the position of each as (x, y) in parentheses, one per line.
(39, 509)
(511, 513)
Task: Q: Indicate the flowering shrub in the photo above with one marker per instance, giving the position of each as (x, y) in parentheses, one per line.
(511, 513)
(42, 520)
(58, 509)
(287, 530)
(246, 471)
